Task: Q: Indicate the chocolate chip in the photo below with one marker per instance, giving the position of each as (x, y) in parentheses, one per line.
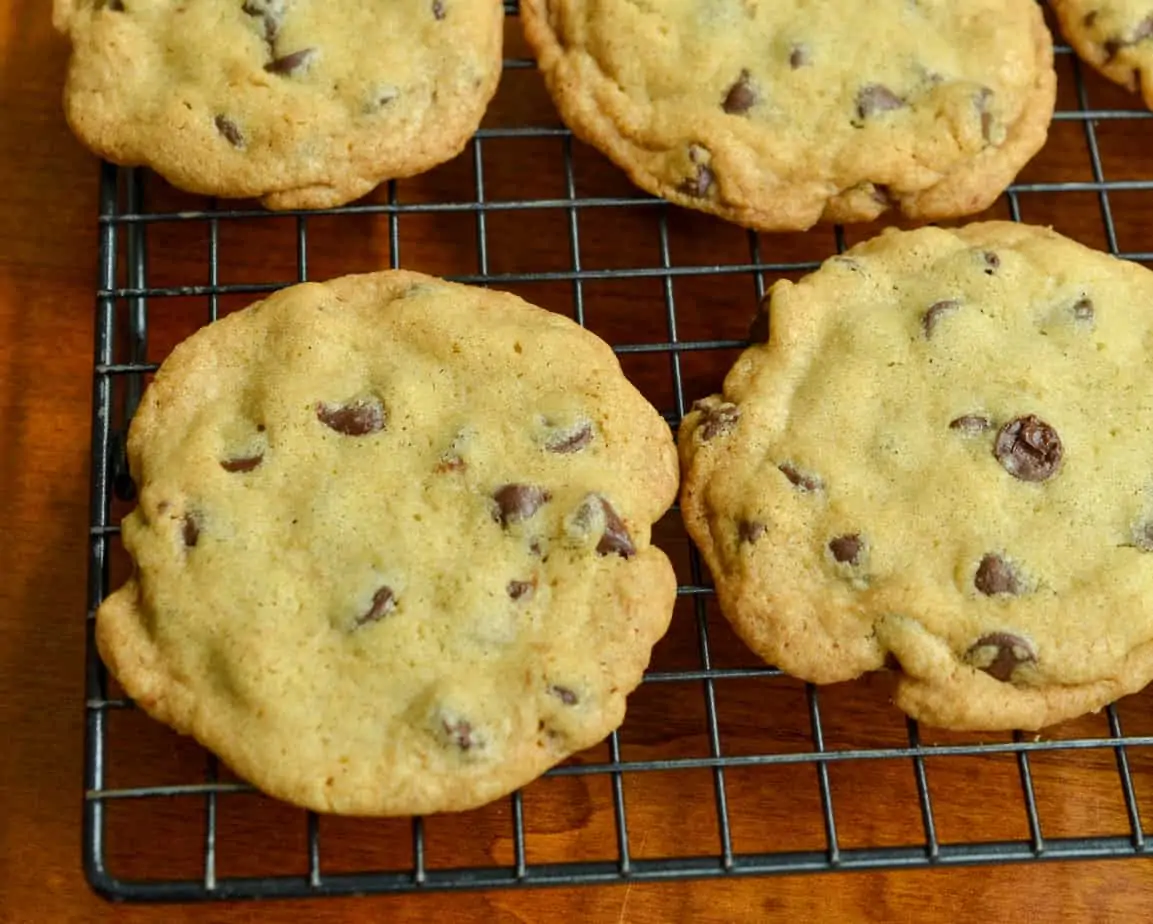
(802, 480)
(718, 418)
(272, 14)
(1083, 309)
(438, 9)
(1090, 18)
(846, 549)
(880, 194)
(936, 312)
(521, 590)
(516, 502)
(383, 603)
(230, 130)
(750, 531)
(875, 98)
(701, 182)
(996, 576)
(358, 418)
(242, 463)
(1143, 536)
(460, 733)
(564, 694)
(190, 530)
(616, 539)
(970, 423)
(992, 262)
(999, 654)
(742, 96)
(759, 329)
(289, 64)
(570, 439)
(798, 56)
(1028, 449)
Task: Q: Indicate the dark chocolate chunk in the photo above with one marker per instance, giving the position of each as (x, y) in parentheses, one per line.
(616, 539)
(936, 312)
(242, 463)
(358, 418)
(876, 97)
(996, 576)
(564, 694)
(570, 439)
(1028, 449)
(750, 531)
(383, 603)
(846, 549)
(799, 479)
(999, 654)
(717, 419)
(521, 590)
(742, 96)
(970, 423)
(230, 131)
(291, 63)
(190, 530)
(516, 502)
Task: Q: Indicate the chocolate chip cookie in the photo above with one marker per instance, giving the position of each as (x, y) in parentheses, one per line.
(392, 544)
(1114, 36)
(303, 104)
(777, 115)
(940, 459)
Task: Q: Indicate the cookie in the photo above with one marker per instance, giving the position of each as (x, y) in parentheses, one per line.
(392, 544)
(778, 115)
(1114, 36)
(940, 461)
(302, 104)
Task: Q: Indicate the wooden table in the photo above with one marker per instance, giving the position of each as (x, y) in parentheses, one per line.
(47, 275)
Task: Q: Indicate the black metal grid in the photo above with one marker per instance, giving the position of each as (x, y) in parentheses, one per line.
(123, 299)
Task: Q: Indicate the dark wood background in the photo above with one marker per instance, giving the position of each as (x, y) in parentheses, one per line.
(47, 276)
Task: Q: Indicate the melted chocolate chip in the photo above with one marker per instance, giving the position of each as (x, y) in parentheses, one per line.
(936, 312)
(570, 439)
(742, 96)
(358, 418)
(516, 502)
(616, 539)
(970, 423)
(750, 531)
(438, 11)
(1083, 309)
(459, 733)
(383, 603)
(846, 549)
(992, 262)
(190, 531)
(564, 694)
(798, 56)
(702, 181)
(880, 194)
(999, 654)
(717, 419)
(875, 98)
(242, 463)
(230, 131)
(1028, 449)
(799, 479)
(289, 64)
(521, 590)
(996, 576)
(272, 14)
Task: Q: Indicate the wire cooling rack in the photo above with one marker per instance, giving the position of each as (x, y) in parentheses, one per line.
(724, 767)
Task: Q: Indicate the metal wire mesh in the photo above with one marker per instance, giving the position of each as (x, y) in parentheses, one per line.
(128, 303)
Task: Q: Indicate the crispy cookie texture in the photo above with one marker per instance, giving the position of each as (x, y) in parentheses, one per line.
(392, 545)
(1114, 36)
(969, 499)
(778, 115)
(304, 104)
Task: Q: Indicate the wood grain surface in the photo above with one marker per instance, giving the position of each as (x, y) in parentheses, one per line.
(47, 277)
